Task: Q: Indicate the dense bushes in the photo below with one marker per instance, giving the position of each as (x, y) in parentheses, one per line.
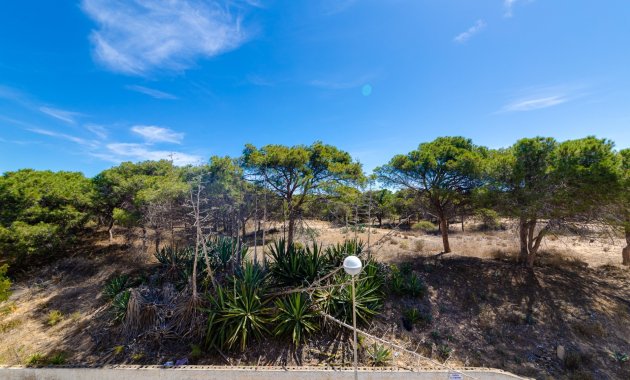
(5, 283)
(41, 212)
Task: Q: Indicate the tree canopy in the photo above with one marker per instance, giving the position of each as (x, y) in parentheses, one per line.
(294, 172)
(443, 172)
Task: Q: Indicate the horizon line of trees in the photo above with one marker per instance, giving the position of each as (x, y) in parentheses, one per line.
(541, 183)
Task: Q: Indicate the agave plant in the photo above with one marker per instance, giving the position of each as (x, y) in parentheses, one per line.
(379, 355)
(295, 318)
(119, 304)
(337, 301)
(237, 315)
(225, 251)
(114, 286)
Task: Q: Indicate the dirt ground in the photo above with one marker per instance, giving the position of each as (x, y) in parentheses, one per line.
(486, 310)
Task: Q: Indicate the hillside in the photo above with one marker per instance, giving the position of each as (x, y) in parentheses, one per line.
(480, 309)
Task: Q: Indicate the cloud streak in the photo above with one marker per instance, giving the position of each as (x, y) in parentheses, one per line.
(157, 94)
(74, 139)
(153, 134)
(59, 114)
(118, 152)
(531, 104)
(137, 37)
(468, 34)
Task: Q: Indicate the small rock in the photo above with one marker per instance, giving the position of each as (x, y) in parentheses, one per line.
(560, 352)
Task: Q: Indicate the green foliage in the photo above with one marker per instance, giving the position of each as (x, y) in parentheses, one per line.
(195, 352)
(404, 282)
(299, 265)
(57, 359)
(41, 212)
(337, 301)
(293, 173)
(424, 226)
(237, 315)
(54, 317)
(295, 318)
(444, 172)
(537, 178)
(619, 357)
(5, 283)
(35, 360)
(379, 355)
(115, 286)
(119, 305)
(489, 219)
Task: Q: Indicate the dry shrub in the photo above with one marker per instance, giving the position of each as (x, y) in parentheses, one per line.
(187, 316)
(560, 259)
(418, 245)
(590, 329)
(140, 314)
(404, 245)
(502, 255)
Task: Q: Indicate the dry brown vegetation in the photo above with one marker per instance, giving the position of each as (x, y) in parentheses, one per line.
(484, 309)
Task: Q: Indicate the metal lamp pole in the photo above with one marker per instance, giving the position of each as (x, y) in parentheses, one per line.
(352, 265)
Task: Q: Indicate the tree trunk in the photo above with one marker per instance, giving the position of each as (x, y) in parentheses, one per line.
(522, 233)
(625, 253)
(110, 230)
(529, 242)
(444, 231)
(291, 229)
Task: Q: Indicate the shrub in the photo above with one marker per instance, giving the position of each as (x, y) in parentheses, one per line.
(119, 305)
(416, 287)
(337, 301)
(619, 357)
(424, 226)
(118, 350)
(489, 219)
(54, 317)
(236, 315)
(114, 286)
(444, 351)
(195, 352)
(5, 283)
(295, 318)
(57, 359)
(35, 360)
(418, 245)
(379, 355)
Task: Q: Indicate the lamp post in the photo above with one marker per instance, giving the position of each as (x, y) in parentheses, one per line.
(352, 265)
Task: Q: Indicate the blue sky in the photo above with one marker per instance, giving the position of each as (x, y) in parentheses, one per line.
(87, 84)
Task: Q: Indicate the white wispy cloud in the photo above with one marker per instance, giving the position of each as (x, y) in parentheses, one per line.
(509, 5)
(468, 34)
(64, 136)
(535, 103)
(157, 94)
(98, 130)
(118, 152)
(59, 114)
(153, 134)
(139, 36)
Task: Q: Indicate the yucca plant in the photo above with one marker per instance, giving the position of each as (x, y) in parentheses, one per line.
(287, 265)
(253, 274)
(225, 251)
(114, 286)
(379, 355)
(337, 301)
(336, 253)
(119, 305)
(238, 314)
(416, 287)
(295, 318)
